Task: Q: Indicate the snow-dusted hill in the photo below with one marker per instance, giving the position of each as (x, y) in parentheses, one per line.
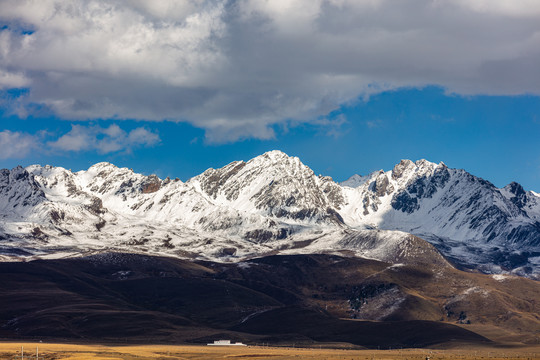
(271, 204)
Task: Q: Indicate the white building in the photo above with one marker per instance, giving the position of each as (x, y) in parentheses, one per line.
(225, 343)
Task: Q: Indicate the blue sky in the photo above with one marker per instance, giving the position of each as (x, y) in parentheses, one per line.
(348, 86)
(494, 137)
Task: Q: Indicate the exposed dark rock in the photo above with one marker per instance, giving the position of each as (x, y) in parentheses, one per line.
(27, 191)
(57, 216)
(151, 184)
(141, 241)
(493, 215)
(96, 206)
(37, 233)
(335, 216)
(441, 175)
(333, 194)
(520, 196)
(126, 186)
(258, 235)
(20, 174)
(213, 179)
(527, 234)
(73, 190)
(400, 168)
(228, 251)
(516, 188)
(167, 243)
(404, 202)
(283, 233)
(4, 173)
(382, 186)
(100, 224)
(298, 215)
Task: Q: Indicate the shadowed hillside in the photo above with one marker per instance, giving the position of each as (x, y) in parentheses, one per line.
(279, 299)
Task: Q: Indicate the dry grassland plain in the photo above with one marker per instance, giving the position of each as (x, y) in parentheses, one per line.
(143, 352)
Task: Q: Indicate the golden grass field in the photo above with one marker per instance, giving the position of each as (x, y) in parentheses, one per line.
(143, 352)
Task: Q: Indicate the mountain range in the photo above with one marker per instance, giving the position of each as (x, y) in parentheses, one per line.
(267, 251)
(272, 204)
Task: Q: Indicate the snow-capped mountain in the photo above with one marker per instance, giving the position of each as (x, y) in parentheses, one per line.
(468, 218)
(271, 204)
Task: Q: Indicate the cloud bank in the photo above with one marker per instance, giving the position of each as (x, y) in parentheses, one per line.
(238, 67)
(102, 140)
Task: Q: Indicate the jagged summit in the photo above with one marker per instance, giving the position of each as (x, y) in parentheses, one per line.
(271, 203)
(405, 168)
(273, 184)
(102, 166)
(355, 181)
(515, 188)
(275, 155)
(278, 161)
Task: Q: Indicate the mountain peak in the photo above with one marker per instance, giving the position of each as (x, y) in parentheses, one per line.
(355, 181)
(275, 155)
(406, 168)
(18, 170)
(425, 163)
(515, 188)
(101, 166)
(276, 159)
(401, 168)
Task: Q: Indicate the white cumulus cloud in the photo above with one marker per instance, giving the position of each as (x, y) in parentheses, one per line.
(10, 80)
(236, 68)
(16, 144)
(104, 140)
